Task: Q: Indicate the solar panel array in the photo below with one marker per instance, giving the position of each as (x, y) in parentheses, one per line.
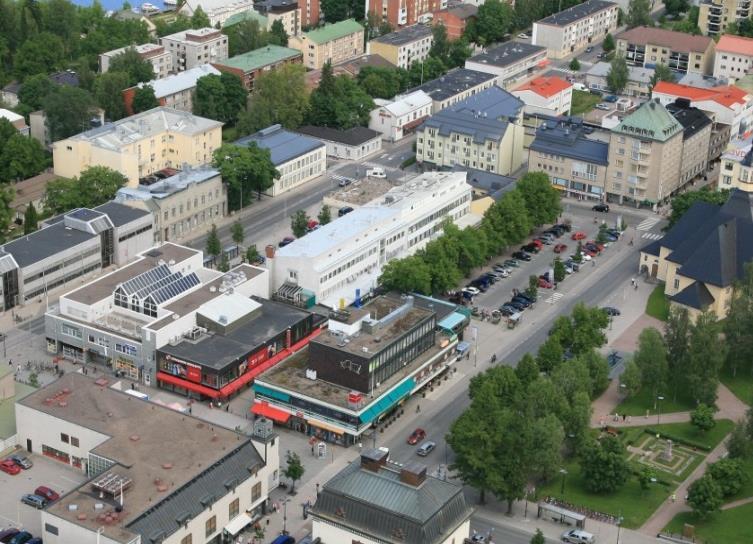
(141, 294)
(145, 279)
(175, 288)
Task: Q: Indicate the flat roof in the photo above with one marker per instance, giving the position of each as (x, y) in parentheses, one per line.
(283, 145)
(568, 140)
(405, 35)
(508, 53)
(150, 444)
(169, 186)
(576, 13)
(363, 191)
(351, 136)
(453, 83)
(259, 58)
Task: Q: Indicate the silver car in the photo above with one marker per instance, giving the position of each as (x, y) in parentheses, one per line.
(426, 448)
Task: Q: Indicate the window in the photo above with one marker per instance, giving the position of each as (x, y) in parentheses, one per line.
(64, 438)
(256, 492)
(70, 331)
(677, 283)
(188, 539)
(74, 441)
(210, 526)
(234, 508)
(50, 529)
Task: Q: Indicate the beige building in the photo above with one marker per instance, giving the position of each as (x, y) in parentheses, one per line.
(737, 166)
(734, 57)
(156, 55)
(336, 43)
(174, 91)
(715, 15)
(404, 46)
(140, 145)
(645, 46)
(572, 30)
(192, 48)
(696, 139)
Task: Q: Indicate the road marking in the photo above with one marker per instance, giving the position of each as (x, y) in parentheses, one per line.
(647, 223)
(383, 156)
(338, 177)
(652, 236)
(554, 298)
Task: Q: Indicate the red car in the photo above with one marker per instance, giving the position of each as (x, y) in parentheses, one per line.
(578, 235)
(7, 465)
(559, 248)
(538, 243)
(416, 436)
(47, 493)
(597, 244)
(544, 284)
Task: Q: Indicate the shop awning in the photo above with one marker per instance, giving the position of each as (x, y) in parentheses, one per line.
(452, 321)
(325, 426)
(236, 384)
(237, 524)
(388, 401)
(275, 414)
(543, 63)
(185, 384)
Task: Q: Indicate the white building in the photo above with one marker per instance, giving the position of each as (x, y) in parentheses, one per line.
(345, 257)
(297, 158)
(511, 62)
(218, 11)
(546, 95)
(156, 55)
(174, 91)
(192, 48)
(156, 474)
(404, 46)
(353, 144)
(733, 58)
(396, 119)
(455, 86)
(573, 29)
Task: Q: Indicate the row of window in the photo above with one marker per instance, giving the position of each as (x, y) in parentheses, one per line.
(76, 259)
(136, 232)
(60, 281)
(210, 525)
(208, 196)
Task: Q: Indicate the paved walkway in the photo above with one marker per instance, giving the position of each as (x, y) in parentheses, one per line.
(735, 504)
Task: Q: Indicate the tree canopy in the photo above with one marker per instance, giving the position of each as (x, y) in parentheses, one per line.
(639, 14)
(339, 102)
(280, 97)
(221, 98)
(619, 75)
(245, 170)
(96, 185)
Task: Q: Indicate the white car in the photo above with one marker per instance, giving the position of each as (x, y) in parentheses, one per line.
(523, 36)
(585, 257)
(376, 173)
(603, 106)
(472, 290)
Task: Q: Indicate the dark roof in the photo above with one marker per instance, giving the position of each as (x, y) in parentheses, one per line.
(352, 136)
(441, 308)
(494, 184)
(688, 224)
(453, 83)
(568, 140)
(695, 295)
(120, 214)
(405, 35)
(508, 53)
(463, 11)
(653, 248)
(380, 505)
(275, 6)
(575, 13)
(67, 77)
(217, 350)
(283, 146)
(692, 119)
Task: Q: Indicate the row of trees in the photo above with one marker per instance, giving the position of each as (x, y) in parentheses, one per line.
(247, 35)
(439, 266)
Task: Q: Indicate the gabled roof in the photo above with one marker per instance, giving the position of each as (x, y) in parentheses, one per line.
(335, 31)
(546, 86)
(676, 41)
(406, 103)
(695, 295)
(260, 58)
(729, 43)
(181, 81)
(726, 95)
(651, 121)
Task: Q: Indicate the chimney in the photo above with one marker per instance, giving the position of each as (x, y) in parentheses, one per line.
(269, 251)
(373, 459)
(413, 474)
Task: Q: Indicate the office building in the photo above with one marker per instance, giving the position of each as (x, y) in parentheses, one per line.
(174, 91)
(154, 474)
(484, 132)
(250, 65)
(396, 119)
(455, 86)
(734, 57)
(715, 16)
(352, 144)
(297, 158)
(649, 46)
(574, 163)
(511, 62)
(156, 55)
(404, 46)
(140, 145)
(218, 11)
(455, 18)
(345, 257)
(334, 43)
(546, 95)
(400, 13)
(192, 48)
(69, 246)
(571, 30)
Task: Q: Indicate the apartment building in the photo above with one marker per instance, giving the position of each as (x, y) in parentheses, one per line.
(404, 12)
(174, 91)
(311, 12)
(546, 95)
(737, 166)
(574, 163)
(649, 46)
(398, 118)
(140, 145)
(192, 48)
(511, 62)
(218, 11)
(483, 132)
(250, 65)
(734, 57)
(404, 46)
(696, 138)
(286, 11)
(571, 30)
(638, 84)
(334, 43)
(66, 247)
(455, 86)
(184, 205)
(715, 15)
(297, 158)
(156, 55)
(455, 18)
(342, 260)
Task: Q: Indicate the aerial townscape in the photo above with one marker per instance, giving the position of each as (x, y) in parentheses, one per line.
(376, 271)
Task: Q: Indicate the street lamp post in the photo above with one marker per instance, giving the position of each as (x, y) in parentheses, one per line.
(619, 526)
(285, 516)
(562, 487)
(658, 413)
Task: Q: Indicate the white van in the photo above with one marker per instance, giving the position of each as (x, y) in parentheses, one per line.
(580, 87)
(578, 536)
(376, 173)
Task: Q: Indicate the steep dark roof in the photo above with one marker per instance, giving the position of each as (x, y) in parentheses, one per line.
(692, 119)
(688, 224)
(695, 295)
(653, 248)
(568, 140)
(576, 13)
(352, 136)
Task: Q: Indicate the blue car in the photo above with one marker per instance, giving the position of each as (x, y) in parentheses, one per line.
(610, 98)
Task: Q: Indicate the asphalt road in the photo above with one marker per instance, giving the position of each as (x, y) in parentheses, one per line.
(503, 534)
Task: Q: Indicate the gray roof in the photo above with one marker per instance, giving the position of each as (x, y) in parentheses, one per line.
(405, 35)
(567, 139)
(696, 295)
(380, 505)
(352, 136)
(453, 83)
(508, 53)
(495, 185)
(120, 214)
(575, 13)
(283, 145)
(692, 119)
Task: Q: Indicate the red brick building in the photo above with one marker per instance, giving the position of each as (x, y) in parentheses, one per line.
(455, 18)
(404, 12)
(310, 12)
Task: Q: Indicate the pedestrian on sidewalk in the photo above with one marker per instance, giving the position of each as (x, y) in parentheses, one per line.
(674, 497)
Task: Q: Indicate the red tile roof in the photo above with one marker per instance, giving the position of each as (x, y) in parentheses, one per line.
(676, 41)
(735, 44)
(726, 95)
(545, 86)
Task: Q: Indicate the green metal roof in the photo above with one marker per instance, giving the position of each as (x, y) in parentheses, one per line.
(246, 15)
(258, 58)
(651, 121)
(327, 33)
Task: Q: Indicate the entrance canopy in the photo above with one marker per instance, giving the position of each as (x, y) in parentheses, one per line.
(275, 414)
(237, 524)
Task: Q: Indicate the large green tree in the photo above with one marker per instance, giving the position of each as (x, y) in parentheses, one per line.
(221, 98)
(706, 356)
(245, 170)
(40, 54)
(681, 203)
(676, 338)
(280, 97)
(130, 62)
(383, 82)
(604, 465)
(199, 18)
(214, 246)
(494, 20)
(299, 222)
(108, 88)
(144, 99)
(6, 214)
(20, 157)
(277, 34)
(639, 14)
(407, 275)
(705, 496)
(729, 474)
(31, 219)
(662, 72)
(68, 111)
(738, 327)
(619, 75)
(96, 185)
(651, 359)
(339, 102)
(542, 200)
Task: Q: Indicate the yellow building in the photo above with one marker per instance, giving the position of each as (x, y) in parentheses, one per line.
(715, 15)
(336, 43)
(702, 256)
(140, 145)
(737, 166)
(649, 46)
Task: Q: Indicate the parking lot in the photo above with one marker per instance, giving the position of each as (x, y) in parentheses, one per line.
(55, 475)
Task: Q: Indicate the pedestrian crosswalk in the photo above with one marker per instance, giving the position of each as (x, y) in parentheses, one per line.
(554, 298)
(648, 223)
(652, 236)
(338, 177)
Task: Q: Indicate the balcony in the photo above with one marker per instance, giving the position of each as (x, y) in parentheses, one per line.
(402, 17)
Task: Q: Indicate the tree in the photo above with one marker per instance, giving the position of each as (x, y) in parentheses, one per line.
(460, 51)
(335, 10)
(662, 72)
(559, 270)
(681, 203)
(382, 82)
(339, 102)
(6, 214)
(631, 379)
(574, 65)
(219, 97)
(705, 496)
(214, 247)
(676, 338)
(440, 47)
(30, 219)
(20, 157)
(538, 537)
(277, 34)
(651, 359)
(237, 233)
(729, 474)
(130, 62)
(639, 14)
(542, 201)
(294, 469)
(445, 274)
(739, 444)
(407, 275)
(39, 54)
(550, 354)
(245, 36)
(527, 370)
(618, 76)
(244, 170)
(95, 186)
(224, 265)
(738, 336)
(598, 370)
(608, 44)
(705, 359)
(325, 215)
(34, 90)
(533, 285)
(676, 7)
(299, 223)
(430, 68)
(547, 437)
(144, 99)
(280, 97)
(645, 477)
(604, 466)
(199, 19)
(493, 21)
(68, 111)
(703, 417)
(252, 254)
(107, 93)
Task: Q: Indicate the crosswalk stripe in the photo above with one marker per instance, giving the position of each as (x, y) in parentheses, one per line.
(554, 298)
(652, 236)
(647, 223)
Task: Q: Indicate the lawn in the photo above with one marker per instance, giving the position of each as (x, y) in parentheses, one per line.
(658, 304)
(747, 489)
(644, 400)
(729, 526)
(583, 102)
(741, 385)
(686, 431)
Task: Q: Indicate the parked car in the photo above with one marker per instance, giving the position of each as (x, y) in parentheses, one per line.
(507, 311)
(530, 248)
(601, 208)
(7, 534)
(603, 106)
(426, 448)
(344, 211)
(578, 235)
(47, 493)
(345, 182)
(546, 240)
(512, 263)
(572, 264)
(589, 49)
(567, 227)
(585, 256)
(545, 284)
(591, 248)
(8, 466)
(614, 232)
(522, 256)
(524, 302)
(502, 271)
(416, 436)
(598, 245)
(21, 538)
(517, 305)
(559, 248)
(538, 243)
(34, 500)
(376, 172)
(611, 98)
(527, 296)
(523, 36)
(313, 224)
(610, 311)
(287, 240)
(22, 461)
(578, 536)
